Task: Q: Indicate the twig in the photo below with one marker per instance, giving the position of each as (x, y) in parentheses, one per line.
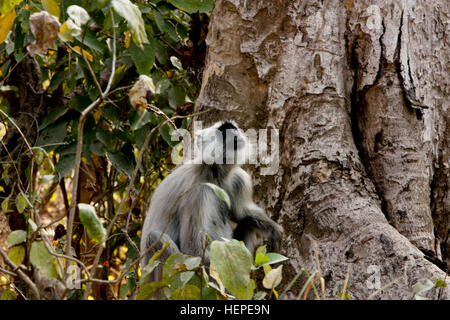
(22, 275)
(83, 119)
(8, 272)
(289, 286)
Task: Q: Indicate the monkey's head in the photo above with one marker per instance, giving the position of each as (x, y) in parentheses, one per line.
(222, 143)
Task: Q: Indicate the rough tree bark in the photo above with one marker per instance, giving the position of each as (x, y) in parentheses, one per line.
(358, 91)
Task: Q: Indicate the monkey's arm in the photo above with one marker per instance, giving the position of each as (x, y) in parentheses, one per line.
(249, 217)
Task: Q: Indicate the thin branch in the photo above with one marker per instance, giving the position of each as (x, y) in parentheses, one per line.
(22, 275)
(13, 274)
(83, 119)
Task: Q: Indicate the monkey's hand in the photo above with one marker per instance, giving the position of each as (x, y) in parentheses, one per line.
(275, 238)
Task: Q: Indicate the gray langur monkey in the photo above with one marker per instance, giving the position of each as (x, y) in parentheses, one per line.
(183, 209)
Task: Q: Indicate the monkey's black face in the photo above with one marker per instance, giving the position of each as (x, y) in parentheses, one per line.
(224, 144)
(234, 143)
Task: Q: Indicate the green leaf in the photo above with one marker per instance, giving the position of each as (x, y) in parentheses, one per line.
(148, 290)
(160, 23)
(17, 254)
(92, 223)
(143, 58)
(124, 291)
(65, 165)
(133, 17)
(52, 7)
(52, 135)
(261, 257)
(440, 284)
(192, 6)
(118, 75)
(220, 193)
(57, 79)
(233, 264)
(160, 50)
(177, 96)
(8, 295)
(5, 205)
(7, 5)
(91, 41)
(176, 63)
(53, 115)
(188, 292)
(21, 203)
(164, 131)
(140, 119)
(122, 163)
(6, 23)
(192, 262)
(106, 137)
(42, 259)
(79, 103)
(275, 258)
(16, 237)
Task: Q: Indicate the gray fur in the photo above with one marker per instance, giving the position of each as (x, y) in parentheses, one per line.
(185, 209)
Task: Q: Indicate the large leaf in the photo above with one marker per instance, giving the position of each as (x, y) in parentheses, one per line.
(177, 96)
(41, 258)
(122, 163)
(273, 278)
(53, 115)
(188, 292)
(165, 131)
(6, 23)
(7, 5)
(220, 193)
(233, 264)
(52, 136)
(143, 58)
(140, 119)
(192, 6)
(92, 223)
(21, 203)
(52, 6)
(133, 16)
(16, 237)
(8, 295)
(261, 257)
(65, 165)
(17, 254)
(148, 290)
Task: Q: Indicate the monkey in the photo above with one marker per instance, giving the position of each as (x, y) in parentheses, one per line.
(183, 208)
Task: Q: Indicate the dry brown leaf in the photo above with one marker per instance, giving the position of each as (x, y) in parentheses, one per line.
(45, 29)
(141, 91)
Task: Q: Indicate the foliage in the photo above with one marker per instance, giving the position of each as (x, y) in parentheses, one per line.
(89, 147)
(231, 274)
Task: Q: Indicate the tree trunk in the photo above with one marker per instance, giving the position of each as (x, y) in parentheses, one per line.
(358, 92)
